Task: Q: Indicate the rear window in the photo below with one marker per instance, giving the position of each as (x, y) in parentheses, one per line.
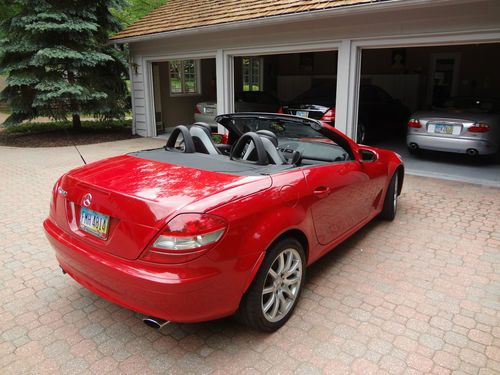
(318, 94)
(473, 104)
(256, 97)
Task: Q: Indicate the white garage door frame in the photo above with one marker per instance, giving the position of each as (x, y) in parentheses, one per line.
(147, 63)
(228, 55)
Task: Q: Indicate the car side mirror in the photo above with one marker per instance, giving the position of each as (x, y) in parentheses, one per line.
(367, 155)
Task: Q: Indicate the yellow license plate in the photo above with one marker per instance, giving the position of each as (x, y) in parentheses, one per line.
(94, 223)
(443, 129)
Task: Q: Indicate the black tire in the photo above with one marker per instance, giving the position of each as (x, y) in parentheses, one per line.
(413, 151)
(251, 311)
(390, 201)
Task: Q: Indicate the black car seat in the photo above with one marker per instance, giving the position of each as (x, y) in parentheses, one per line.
(270, 142)
(202, 139)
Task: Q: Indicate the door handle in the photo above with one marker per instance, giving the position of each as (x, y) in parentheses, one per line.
(322, 191)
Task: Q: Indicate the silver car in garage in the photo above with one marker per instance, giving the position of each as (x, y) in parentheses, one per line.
(464, 125)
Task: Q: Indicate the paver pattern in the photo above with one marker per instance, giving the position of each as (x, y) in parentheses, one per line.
(417, 295)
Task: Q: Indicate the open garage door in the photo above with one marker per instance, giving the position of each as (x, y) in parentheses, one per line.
(436, 106)
(302, 84)
(184, 91)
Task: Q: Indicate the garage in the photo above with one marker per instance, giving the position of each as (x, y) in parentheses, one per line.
(378, 62)
(425, 81)
(395, 84)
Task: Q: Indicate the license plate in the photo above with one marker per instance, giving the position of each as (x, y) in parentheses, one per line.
(209, 110)
(94, 223)
(302, 113)
(443, 129)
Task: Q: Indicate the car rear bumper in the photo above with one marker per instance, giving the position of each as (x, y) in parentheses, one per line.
(176, 293)
(451, 144)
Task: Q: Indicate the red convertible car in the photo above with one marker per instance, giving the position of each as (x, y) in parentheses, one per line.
(196, 231)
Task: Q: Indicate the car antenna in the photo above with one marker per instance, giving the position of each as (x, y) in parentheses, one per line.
(74, 145)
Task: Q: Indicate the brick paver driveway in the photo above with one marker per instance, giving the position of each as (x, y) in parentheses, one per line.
(418, 295)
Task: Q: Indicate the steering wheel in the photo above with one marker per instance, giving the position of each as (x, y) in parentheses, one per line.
(237, 152)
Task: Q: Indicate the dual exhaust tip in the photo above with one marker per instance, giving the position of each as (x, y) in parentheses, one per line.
(155, 323)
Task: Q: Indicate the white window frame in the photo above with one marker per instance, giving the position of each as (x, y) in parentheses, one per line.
(260, 78)
(197, 72)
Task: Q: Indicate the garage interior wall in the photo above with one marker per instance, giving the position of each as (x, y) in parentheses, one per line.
(408, 80)
(288, 75)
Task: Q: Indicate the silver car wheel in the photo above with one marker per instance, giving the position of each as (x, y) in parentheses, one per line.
(282, 285)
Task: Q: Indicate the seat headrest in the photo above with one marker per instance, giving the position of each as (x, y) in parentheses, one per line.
(205, 127)
(269, 135)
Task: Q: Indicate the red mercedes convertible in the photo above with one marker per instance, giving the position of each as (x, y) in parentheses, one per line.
(196, 231)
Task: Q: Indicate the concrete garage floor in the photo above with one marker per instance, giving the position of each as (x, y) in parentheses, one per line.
(419, 295)
(448, 166)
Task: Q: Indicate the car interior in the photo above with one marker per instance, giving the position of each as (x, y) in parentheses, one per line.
(262, 144)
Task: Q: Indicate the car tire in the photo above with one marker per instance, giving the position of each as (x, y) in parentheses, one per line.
(414, 151)
(271, 298)
(391, 200)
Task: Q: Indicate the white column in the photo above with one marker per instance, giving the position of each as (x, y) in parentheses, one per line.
(149, 115)
(224, 77)
(348, 77)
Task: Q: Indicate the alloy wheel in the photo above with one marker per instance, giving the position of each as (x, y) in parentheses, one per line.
(282, 285)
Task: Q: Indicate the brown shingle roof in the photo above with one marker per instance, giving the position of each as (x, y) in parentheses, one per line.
(187, 14)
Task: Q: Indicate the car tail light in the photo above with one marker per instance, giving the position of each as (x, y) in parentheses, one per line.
(281, 109)
(413, 123)
(197, 109)
(186, 237)
(329, 115)
(225, 139)
(479, 127)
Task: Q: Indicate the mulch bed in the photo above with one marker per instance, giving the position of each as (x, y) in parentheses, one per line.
(59, 138)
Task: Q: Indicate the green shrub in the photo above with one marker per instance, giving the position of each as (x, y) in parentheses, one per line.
(43, 127)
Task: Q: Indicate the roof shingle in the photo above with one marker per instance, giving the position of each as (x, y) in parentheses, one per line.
(187, 14)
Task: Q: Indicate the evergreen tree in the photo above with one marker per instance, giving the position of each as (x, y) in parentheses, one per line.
(136, 9)
(59, 63)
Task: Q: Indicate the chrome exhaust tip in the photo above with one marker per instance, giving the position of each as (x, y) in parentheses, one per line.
(156, 323)
(472, 152)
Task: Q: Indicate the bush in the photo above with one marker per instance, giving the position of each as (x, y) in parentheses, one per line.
(43, 127)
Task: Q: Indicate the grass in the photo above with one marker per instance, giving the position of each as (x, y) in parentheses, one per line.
(44, 127)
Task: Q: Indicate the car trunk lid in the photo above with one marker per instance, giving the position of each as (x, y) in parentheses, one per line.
(137, 196)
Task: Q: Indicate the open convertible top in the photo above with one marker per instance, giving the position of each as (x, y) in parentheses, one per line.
(259, 144)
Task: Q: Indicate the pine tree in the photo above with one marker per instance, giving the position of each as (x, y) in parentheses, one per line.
(59, 62)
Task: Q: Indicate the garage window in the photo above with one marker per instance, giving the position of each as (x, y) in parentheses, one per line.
(252, 73)
(184, 77)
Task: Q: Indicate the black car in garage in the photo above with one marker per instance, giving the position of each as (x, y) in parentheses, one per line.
(379, 114)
